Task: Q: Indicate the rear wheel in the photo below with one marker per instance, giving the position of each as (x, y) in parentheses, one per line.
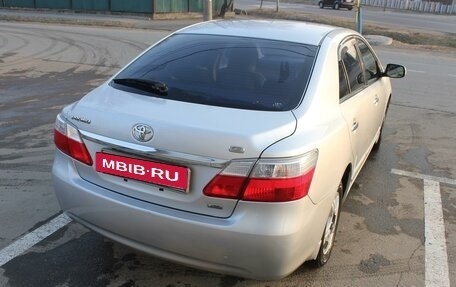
(329, 234)
(336, 6)
(321, 4)
(376, 146)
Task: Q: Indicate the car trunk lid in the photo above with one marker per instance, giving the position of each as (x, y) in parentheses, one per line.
(194, 138)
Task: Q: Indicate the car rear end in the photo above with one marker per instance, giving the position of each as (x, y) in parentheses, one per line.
(166, 156)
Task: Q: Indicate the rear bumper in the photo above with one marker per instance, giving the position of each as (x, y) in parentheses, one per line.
(262, 241)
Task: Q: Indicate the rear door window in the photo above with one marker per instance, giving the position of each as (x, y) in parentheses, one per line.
(351, 61)
(235, 72)
(371, 66)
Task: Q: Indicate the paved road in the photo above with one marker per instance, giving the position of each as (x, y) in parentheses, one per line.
(381, 237)
(425, 22)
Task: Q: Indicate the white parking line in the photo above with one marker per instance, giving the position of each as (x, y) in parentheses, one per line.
(25, 242)
(415, 71)
(424, 72)
(423, 176)
(436, 264)
(436, 257)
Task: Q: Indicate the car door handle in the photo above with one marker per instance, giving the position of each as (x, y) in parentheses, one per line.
(355, 126)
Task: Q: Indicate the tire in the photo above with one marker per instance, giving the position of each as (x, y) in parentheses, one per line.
(321, 4)
(336, 6)
(329, 233)
(376, 145)
(350, 8)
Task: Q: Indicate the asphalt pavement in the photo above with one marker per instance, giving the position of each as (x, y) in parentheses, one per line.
(393, 18)
(124, 21)
(95, 19)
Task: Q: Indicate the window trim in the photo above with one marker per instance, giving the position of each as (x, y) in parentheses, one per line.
(366, 83)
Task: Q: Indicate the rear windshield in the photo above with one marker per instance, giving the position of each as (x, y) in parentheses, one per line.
(235, 72)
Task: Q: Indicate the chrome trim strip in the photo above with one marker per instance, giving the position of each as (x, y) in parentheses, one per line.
(153, 153)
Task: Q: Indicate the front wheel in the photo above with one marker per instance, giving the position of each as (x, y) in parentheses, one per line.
(321, 4)
(336, 6)
(329, 234)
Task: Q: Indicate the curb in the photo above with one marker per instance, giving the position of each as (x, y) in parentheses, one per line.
(377, 40)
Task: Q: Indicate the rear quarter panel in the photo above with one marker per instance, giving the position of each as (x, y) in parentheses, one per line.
(320, 124)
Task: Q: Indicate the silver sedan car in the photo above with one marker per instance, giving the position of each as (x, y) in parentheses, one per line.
(228, 146)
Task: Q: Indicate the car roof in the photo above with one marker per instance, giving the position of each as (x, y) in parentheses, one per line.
(281, 30)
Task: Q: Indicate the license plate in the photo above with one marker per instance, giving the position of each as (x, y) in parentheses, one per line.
(143, 170)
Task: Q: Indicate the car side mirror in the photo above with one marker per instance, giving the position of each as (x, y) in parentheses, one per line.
(394, 71)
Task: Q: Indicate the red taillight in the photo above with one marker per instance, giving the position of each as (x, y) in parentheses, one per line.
(270, 180)
(61, 142)
(225, 186)
(278, 189)
(68, 140)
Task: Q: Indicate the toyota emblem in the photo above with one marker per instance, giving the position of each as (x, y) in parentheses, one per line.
(142, 132)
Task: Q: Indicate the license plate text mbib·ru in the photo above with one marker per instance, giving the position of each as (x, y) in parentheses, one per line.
(148, 171)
